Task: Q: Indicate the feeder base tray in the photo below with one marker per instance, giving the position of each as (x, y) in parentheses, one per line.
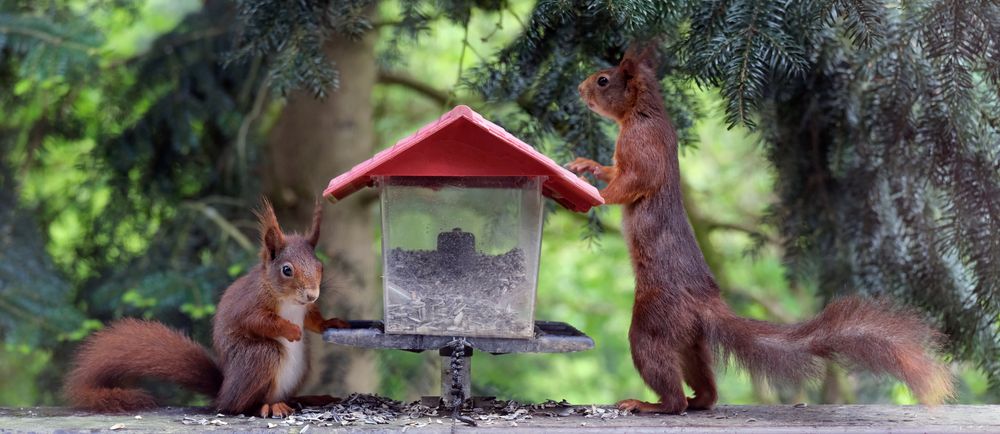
(550, 337)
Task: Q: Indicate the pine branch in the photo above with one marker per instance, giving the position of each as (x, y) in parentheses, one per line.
(405, 80)
(48, 38)
(48, 48)
(863, 20)
(35, 300)
(743, 53)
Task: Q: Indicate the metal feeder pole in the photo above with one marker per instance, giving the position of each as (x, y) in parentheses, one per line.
(449, 375)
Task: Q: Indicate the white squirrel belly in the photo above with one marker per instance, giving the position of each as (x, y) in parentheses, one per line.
(292, 366)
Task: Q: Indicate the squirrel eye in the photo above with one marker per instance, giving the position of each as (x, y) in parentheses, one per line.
(286, 270)
(602, 81)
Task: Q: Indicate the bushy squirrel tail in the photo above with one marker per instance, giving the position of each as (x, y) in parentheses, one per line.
(859, 333)
(131, 349)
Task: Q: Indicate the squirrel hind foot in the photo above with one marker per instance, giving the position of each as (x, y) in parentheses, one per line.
(278, 410)
(700, 403)
(637, 406)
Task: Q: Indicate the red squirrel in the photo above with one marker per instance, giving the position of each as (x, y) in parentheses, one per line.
(679, 316)
(257, 335)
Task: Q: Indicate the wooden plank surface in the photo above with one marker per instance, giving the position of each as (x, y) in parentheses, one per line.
(753, 419)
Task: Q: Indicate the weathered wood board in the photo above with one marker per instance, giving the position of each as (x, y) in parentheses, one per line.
(752, 419)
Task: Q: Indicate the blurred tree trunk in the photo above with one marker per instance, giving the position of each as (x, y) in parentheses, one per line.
(313, 141)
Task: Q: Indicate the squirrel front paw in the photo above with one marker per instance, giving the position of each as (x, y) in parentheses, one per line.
(335, 323)
(584, 165)
(291, 332)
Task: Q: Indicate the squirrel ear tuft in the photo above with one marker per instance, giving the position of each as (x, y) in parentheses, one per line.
(628, 67)
(316, 222)
(271, 238)
(645, 54)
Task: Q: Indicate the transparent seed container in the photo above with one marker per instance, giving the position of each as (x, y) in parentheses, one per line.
(460, 254)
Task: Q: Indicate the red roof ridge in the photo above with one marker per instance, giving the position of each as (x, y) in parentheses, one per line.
(567, 189)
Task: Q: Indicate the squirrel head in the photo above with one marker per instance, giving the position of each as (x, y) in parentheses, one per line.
(289, 262)
(613, 92)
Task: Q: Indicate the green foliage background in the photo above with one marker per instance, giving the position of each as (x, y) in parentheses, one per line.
(76, 185)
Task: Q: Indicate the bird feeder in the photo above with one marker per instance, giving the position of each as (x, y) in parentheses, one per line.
(460, 254)
(462, 205)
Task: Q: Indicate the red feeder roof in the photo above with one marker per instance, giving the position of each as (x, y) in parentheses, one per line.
(463, 143)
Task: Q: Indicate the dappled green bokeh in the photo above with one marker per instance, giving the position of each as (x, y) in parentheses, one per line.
(584, 280)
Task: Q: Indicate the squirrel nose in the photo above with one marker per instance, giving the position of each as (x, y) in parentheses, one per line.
(311, 298)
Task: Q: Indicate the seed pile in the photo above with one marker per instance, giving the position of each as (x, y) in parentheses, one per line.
(363, 409)
(456, 291)
(377, 410)
(356, 409)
